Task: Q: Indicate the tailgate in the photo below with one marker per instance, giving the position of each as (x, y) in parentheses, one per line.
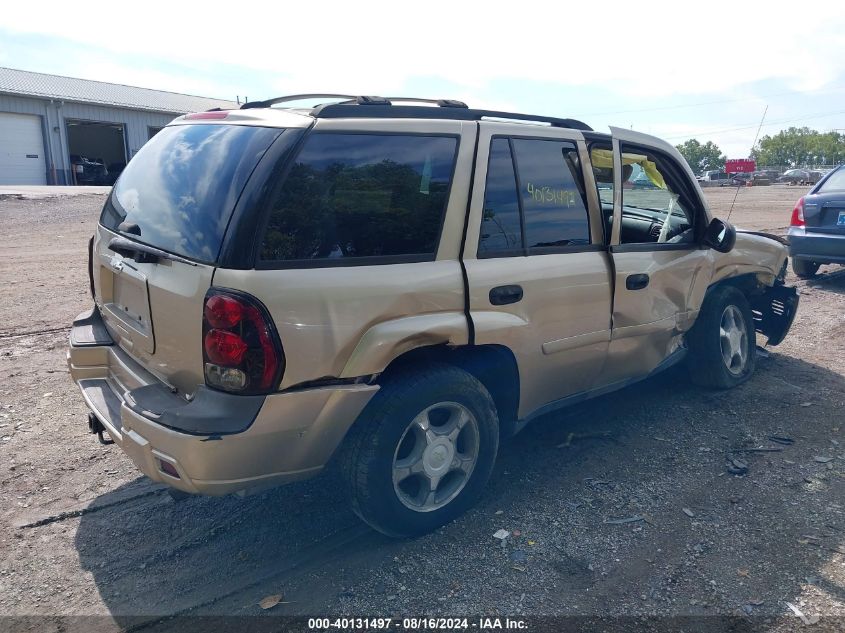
(153, 311)
(176, 197)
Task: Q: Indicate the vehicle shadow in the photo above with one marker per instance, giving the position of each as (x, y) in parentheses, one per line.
(830, 279)
(647, 451)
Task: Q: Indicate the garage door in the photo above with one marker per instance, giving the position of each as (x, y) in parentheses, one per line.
(21, 150)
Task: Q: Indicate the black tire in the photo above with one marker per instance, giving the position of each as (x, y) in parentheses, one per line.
(804, 268)
(367, 457)
(707, 362)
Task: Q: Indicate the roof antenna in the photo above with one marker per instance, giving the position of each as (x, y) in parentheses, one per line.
(753, 145)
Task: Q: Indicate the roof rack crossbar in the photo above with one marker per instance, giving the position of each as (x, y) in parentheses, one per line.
(269, 102)
(443, 103)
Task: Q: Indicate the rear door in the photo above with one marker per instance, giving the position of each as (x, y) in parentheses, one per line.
(824, 210)
(538, 273)
(661, 269)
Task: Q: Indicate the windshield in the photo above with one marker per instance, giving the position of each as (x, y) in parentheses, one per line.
(179, 191)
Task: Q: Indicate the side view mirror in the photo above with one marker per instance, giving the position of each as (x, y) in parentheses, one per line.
(720, 235)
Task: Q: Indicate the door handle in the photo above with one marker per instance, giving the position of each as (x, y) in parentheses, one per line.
(636, 282)
(503, 295)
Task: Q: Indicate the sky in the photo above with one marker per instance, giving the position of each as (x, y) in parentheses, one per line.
(677, 70)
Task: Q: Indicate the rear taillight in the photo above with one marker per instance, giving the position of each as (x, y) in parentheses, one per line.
(223, 311)
(241, 349)
(798, 214)
(225, 348)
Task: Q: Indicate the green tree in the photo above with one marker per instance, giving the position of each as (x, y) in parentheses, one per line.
(702, 157)
(798, 147)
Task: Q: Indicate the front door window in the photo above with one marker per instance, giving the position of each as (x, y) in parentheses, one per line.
(653, 210)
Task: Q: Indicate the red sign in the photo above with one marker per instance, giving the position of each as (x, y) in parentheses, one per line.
(740, 165)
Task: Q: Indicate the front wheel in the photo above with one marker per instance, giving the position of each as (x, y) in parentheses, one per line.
(422, 450)
(722, 343)
(804, 268)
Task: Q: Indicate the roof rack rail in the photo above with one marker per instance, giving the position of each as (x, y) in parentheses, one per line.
(349, 110)
(382, 107)
(353, 100)
(269, 102)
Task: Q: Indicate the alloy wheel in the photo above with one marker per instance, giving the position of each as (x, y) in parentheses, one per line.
(435, 456)
(733, 339)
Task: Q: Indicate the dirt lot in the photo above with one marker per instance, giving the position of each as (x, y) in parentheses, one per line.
(81, 533)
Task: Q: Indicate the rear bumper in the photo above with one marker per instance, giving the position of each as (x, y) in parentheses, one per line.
(822, 248)
(290, 435)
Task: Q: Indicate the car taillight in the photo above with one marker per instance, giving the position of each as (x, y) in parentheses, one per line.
(798, 214)
(241, 349)
(223, 311)
(225, 348)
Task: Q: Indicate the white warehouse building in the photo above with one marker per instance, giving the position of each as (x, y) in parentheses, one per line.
(63, 131)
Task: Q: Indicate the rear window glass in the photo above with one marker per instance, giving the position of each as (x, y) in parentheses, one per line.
(361, 195)
(836, 182)
(179, 191)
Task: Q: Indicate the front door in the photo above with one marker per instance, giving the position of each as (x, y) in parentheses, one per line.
(661, 268)
(538, 273)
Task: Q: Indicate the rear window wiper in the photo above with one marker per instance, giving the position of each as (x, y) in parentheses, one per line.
(143, 253)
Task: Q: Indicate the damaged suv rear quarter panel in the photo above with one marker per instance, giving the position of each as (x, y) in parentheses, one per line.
(323, 314)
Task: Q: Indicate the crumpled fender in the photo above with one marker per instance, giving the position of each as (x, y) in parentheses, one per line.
(753, 253)
(386, 341)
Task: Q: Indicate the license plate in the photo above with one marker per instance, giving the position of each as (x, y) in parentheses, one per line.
(841, 220)
(125, 299)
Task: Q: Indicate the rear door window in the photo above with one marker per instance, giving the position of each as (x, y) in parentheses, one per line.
(349, 197)
(179, 191)
(552, 192)
(501, 230)
(534, 199)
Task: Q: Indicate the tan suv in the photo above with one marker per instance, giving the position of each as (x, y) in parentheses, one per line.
(392, 287)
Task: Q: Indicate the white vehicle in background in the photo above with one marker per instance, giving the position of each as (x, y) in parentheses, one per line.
(713, 175)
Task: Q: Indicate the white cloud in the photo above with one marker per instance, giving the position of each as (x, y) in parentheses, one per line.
(639, 49)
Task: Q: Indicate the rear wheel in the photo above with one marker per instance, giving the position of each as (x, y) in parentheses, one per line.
(722, 343)
(804, 268)
(422, 451)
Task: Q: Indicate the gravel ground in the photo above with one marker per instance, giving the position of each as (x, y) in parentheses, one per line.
(81, 533)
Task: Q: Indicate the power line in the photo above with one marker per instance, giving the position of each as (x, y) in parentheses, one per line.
(718, 101)
(756, 136)
(751, 127)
